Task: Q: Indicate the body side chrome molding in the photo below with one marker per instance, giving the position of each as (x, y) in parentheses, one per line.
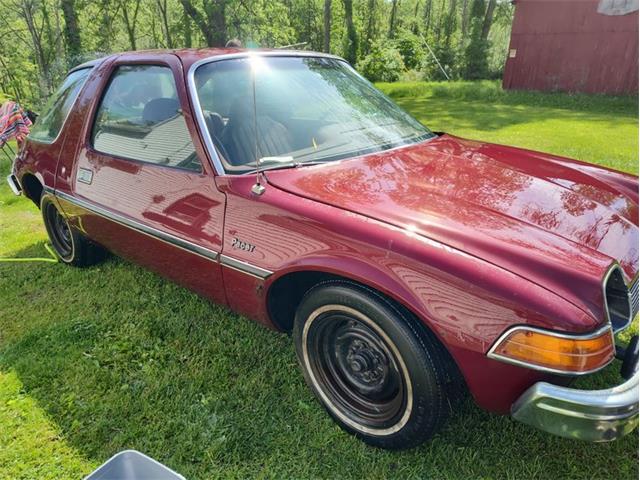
(140, 227)
(186, 245)
(586, 336)
(244, 267)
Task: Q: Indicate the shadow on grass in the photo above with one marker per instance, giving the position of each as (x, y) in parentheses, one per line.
(120, 358)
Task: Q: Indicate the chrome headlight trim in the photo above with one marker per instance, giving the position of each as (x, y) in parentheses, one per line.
(584, 336)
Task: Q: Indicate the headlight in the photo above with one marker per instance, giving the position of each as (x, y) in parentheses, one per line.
(555, 352)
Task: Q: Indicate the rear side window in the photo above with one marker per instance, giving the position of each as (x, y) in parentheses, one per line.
(139, 118)
(49, 124)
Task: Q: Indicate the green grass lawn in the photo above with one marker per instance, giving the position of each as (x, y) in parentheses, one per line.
(112, 357)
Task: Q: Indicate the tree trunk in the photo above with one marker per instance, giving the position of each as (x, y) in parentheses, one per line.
(154, 32)
(488, 19)
(370, 26)
(427, 16)
(464, 22)
(162, 6)
(213, 24)
(218, 21)
(415, 29)
(105, 30)
(130, 23)
(352, 35)
(392, 20)
(450, 21)
(60, 48)
(15, 84)
(186, 28)
(441, 20)
(27, 13)
(326, 45)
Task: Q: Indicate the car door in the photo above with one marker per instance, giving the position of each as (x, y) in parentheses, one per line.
(141, 184)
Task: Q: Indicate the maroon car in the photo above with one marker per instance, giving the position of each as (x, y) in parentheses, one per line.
(406, 263)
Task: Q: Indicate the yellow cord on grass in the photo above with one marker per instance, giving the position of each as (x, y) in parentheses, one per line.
(47, 247)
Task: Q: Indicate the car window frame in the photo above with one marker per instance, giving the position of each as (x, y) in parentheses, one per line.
(88, 141)
(91, 69)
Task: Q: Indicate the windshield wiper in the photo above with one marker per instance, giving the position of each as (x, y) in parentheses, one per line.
(290, 165)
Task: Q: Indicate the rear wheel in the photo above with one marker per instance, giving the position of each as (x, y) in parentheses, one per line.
(70, 245)
(378, 374)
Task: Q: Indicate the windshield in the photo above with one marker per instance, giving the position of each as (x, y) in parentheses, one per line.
(307, 110)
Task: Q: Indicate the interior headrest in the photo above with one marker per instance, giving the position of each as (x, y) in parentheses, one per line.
(159, 110)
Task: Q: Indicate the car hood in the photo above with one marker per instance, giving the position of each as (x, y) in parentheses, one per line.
(557, 222)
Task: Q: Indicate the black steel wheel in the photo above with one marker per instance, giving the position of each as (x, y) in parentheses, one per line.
(59, 232)
(70, 245)
(363, 377)
(378, 373)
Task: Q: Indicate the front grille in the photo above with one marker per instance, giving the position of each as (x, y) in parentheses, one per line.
(633, 296)
(618, 299)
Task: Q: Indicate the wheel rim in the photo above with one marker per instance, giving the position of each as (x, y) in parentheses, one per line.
(358, 370)
(59, 231)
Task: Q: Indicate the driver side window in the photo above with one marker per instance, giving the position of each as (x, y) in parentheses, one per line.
(139, 118)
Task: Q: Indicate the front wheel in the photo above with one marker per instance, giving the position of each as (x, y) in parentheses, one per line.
(70, 245)
(379, 374)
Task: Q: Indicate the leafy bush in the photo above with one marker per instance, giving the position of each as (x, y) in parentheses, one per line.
(383, 64)
(476, 60)
(411, 48)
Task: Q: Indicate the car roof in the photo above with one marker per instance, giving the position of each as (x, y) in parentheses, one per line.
(89, 64)
(189, 56)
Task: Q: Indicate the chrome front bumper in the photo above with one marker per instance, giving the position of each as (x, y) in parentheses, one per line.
(592, 415)
(14, 185)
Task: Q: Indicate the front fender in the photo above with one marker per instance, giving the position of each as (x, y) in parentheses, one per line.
(465, 317)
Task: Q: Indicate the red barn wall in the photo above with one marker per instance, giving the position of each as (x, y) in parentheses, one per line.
(567, 45)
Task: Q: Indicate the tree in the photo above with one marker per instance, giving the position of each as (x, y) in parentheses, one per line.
(441, 18)
(488, 20)
(162, 6)
(186, 28)
(73, 45)
(213, 24)
(428, 4)
(130, 22)
(464, 22)
(371, 21)
(414, 24)
(105, 29)
(392, 18)
(450, 23)
(41, 39)
(476, 62)
(351, 43)
(326, 44)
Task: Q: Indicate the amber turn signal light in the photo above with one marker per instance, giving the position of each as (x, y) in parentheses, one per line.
(555, 352)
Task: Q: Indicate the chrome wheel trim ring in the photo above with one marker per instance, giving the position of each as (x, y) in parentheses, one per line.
(318, 387)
